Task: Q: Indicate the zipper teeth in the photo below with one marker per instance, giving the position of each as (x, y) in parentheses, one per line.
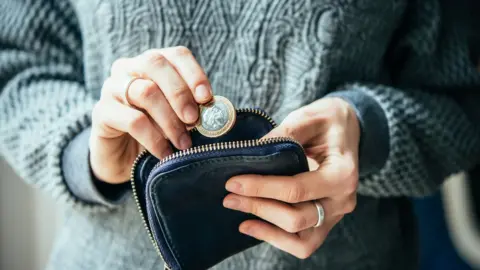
(201, 149)
(255, 111)
(220, 146)
(259, 112)
(137, 201)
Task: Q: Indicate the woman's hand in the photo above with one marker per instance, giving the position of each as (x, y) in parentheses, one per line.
(329, 131)
(153, 110)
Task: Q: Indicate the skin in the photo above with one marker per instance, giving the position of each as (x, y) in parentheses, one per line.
(329, 131)
(163, 103)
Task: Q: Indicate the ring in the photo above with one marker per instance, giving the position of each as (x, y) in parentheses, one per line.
(321, 214)
(125, 93)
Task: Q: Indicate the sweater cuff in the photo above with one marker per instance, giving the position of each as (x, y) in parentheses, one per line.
(80, 179)
(374, 145)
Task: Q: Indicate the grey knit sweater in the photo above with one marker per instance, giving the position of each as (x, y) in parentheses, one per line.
(408, 68)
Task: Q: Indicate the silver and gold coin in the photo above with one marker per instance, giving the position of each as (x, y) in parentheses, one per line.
(216, 117)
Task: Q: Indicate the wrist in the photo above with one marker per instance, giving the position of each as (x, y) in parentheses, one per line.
(79, 178)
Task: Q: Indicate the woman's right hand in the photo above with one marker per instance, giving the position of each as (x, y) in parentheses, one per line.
(161, 103)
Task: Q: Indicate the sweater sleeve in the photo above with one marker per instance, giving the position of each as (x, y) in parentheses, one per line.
(427, 127)
(426, 138)
(44, 104)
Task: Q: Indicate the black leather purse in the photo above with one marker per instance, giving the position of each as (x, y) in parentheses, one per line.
(180, 197)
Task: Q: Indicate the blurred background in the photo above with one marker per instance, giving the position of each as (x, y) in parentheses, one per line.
(448, 224)
(28, 221)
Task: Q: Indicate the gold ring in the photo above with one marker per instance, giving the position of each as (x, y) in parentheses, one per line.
(125, 94)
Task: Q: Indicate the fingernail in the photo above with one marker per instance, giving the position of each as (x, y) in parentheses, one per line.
(185, 141)
(203, 92)
(190, 113)
(231, 203)
(234, 187)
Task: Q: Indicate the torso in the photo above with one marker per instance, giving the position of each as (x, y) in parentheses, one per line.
(276, 55)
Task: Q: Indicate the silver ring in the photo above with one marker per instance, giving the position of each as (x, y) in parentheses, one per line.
(321, 214)
(125, 93)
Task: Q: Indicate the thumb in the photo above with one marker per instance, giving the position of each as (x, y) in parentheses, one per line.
(301, 129)
(276, 132)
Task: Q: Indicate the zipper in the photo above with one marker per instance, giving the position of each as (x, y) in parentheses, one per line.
(137, 202)
(255, 111)
(197, 150)
(220, 146)
(217, 146)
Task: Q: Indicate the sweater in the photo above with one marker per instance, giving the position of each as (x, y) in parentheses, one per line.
(407, 67)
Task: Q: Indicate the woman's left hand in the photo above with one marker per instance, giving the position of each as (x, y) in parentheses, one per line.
(330, 133)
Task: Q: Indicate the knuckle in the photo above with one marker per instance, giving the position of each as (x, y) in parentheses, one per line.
(340, 108)
(319, 113)
(181, 51)
(117, 65)
(107, 86)
(327, 114)
(296, 193)
(296, 224)
(290, 123)
(250, 207)
(289, 130)
(349, 206)
(349, 168)
(350, 185)
(138, 122)
(347, 174)
(147, 89)
(155, 58)
(255, 189)
(350, 179)
(180, 92)
(308, 113)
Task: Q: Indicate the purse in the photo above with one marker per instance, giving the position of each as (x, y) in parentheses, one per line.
(180, 197)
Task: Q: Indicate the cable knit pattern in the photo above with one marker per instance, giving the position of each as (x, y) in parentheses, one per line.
(412, 57)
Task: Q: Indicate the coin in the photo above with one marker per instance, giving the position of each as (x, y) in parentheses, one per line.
(216, 117)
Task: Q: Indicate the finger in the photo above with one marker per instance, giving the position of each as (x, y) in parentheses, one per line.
(328, 181)
(309, 121)
(339, 206)
(291, 218)
(120, 67)
(119, 117)
(154, 66)
(146, 95)
(291, 189)
(157, 67)
(191, 71)
(341, 171)
(300, 245)
(298, 125)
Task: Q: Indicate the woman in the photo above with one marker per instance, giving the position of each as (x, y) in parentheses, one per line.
(370, 88)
